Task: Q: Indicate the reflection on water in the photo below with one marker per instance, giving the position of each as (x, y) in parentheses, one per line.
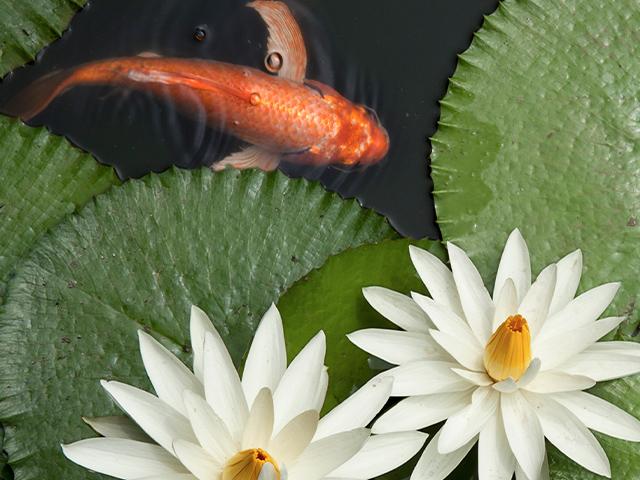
(372, 53)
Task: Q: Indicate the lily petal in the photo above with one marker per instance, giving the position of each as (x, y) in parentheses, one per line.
(297, 391)
(480, 379)
(464, 425)
(437, 278)
(415, 413)
(495, 460)
(554, 382)
(259, 426)
(524, 433)
(600, 415)
(199, 326)
(294, 438)
(381, 454)
(327, 454)
(569, 272)
(506, 304)
(602, 366)
(222, 386)
(397, 308)
(156, 418)
(467, 354)
(210, 430)
(126, 459)
(197, 461)
(435, 466)
(358, 410)
(425, 377)
(536, 303)
(569, 435)
(168, 375)
(555, 350)
(267, 357)
(395, 346)
(117, 426)
(476, 303)
(514, 264)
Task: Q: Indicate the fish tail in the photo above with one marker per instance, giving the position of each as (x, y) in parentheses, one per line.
(36, 97)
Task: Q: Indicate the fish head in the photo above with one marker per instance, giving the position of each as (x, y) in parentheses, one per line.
(365, 141)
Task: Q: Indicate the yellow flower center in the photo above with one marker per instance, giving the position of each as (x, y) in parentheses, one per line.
(508, 352)
(246, 465)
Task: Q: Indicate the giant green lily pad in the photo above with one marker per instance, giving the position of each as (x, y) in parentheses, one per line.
(540, 130)
(138, 257)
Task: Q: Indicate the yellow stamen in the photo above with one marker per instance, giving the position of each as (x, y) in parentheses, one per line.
(246, 465)
(508, 352)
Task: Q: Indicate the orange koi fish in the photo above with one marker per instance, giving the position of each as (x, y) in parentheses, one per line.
(281, 117)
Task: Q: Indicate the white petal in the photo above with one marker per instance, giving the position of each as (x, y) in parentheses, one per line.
(569, 435)
(435, 466)
(495, 460)
(324, 456)
(395, 346)
(464, 425)
(156, 418)
(321, 392)
(602, 366)
(476, 302)
(506, 304)
(209, 429)
(535, 305)
(170, 476)
(543, 475)
(469, 355)
(117, 426)
(294, 438)
(437, 278)
(508, 385)
(168, 375)
(268, 472)
(530, 373)
(126, 459)
(581, 311)
(267, 358)
(600, 415)
(523, 432)
(553, 382)
(480, 379)
(381, 454)
(514, 264)
(446, 320)
(297, 390)
(569, 271)
(397, 308)
(358, 410)
(259, 428)
(555, 350)
(197, 460)
(425, 377)
(199, 326)
(616, 348)
(222, 387)
(415, 413)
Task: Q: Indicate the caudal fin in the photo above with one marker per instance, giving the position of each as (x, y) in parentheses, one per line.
(37, 96)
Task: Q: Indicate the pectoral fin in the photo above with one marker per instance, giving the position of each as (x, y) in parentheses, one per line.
(285, 39)
(250, 157)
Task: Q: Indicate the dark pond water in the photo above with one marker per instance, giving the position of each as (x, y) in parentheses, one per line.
(393, 56)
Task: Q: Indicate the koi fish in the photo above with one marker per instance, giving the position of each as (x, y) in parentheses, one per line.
(283, 116)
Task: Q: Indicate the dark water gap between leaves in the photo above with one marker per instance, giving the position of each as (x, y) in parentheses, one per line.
(397, 59)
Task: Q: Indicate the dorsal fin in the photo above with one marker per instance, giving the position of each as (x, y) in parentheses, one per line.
(285, 38)
(149, 55)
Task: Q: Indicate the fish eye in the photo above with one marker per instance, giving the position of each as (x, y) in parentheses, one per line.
(200, 34)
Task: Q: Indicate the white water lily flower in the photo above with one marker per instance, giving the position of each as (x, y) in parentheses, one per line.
(212, 425)
(506, 370)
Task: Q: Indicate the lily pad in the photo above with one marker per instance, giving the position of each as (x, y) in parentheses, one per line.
(138, 257)
(540, 129)
(26, 27)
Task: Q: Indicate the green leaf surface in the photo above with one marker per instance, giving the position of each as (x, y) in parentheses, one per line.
(26, 26)
(44, 179)
(331, 299)
(138, 257)
(540, 129)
